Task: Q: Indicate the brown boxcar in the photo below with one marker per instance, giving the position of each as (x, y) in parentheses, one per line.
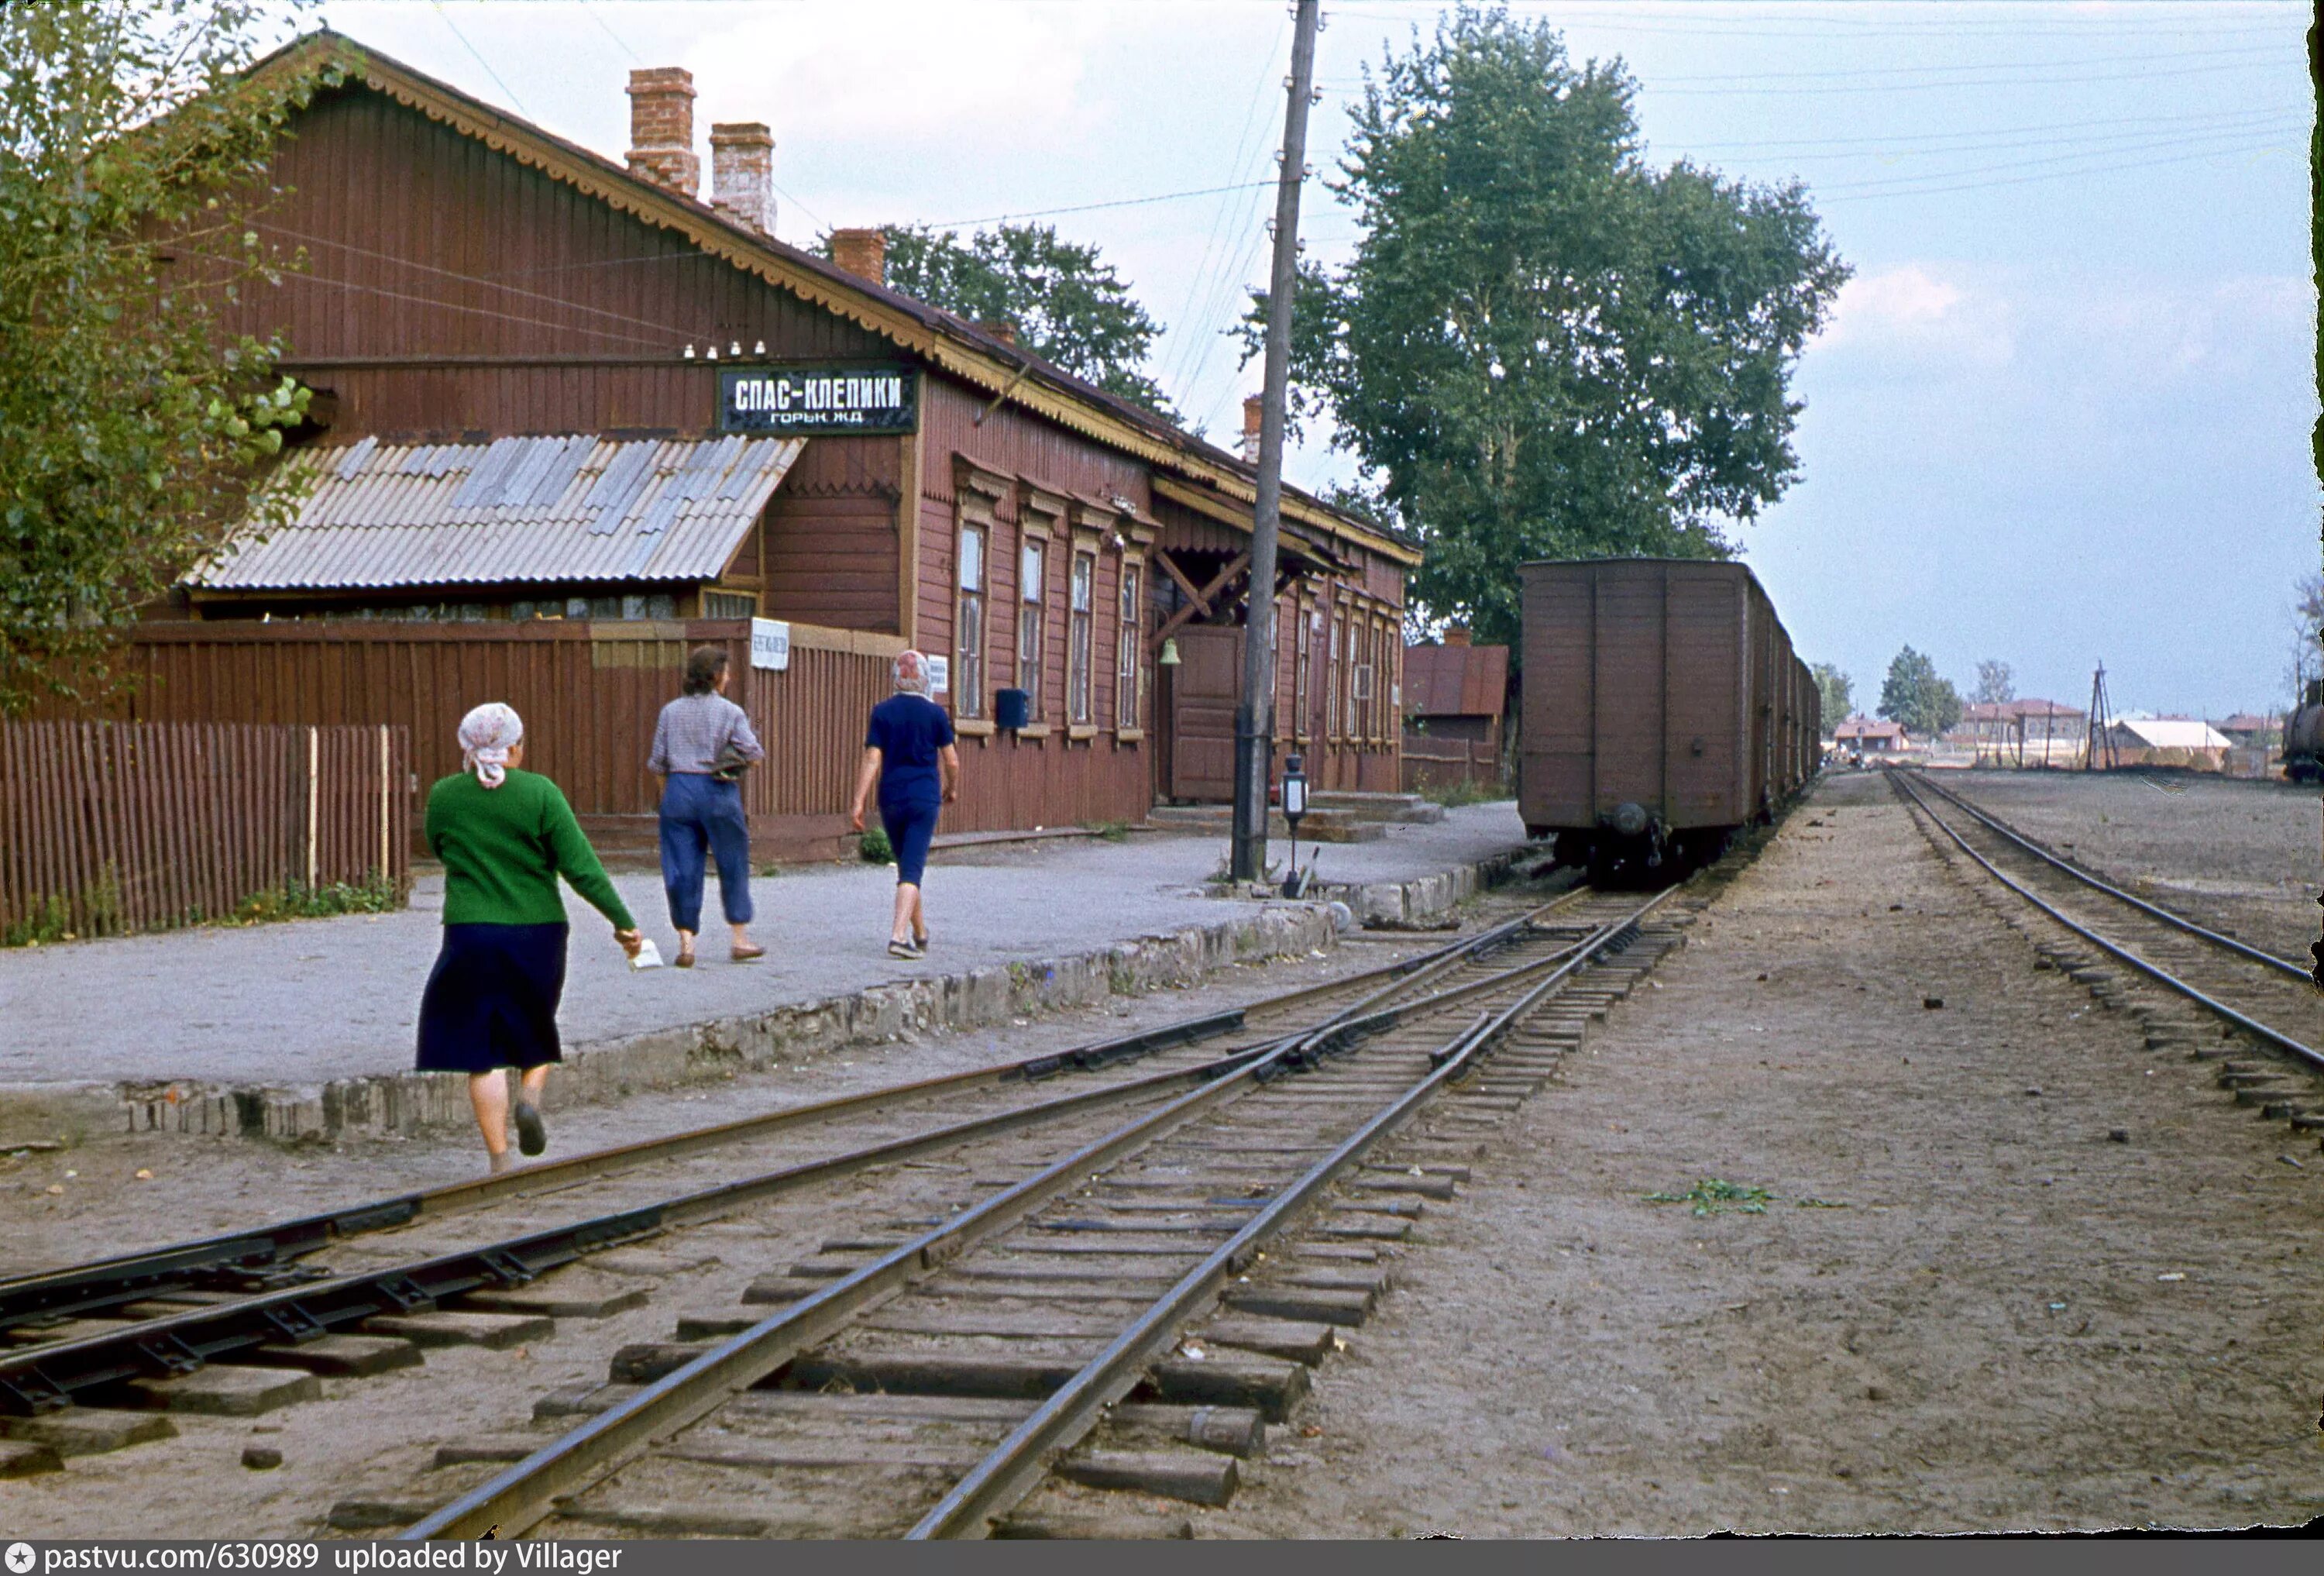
(1663, 708)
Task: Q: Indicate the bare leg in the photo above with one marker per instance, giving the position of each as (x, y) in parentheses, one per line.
(907, 902)
(686, 944)
(919, 917)
(488, 1093)
(536, 1083)
(743, 936)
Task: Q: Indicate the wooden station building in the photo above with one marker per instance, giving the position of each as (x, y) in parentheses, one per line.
(573, 416)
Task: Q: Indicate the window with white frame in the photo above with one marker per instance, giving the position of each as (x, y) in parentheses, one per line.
(1126, 669)
(968, 626)
(1032, 579)
(1302, 666)
(1081, 634)
(1332, 683)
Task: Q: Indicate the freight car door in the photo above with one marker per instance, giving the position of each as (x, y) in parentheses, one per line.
(1204, 690)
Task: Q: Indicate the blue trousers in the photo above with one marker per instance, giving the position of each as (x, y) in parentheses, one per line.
(910, 827)
(700, 816)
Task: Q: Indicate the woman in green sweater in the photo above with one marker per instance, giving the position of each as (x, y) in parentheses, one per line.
(504, 836)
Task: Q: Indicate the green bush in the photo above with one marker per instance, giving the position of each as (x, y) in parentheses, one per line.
(295, 899)
(874, 848)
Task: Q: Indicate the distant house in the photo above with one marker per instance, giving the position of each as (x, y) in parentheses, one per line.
(1871, 736)
(1454, 697)
(2246, 729)
(2169, 741)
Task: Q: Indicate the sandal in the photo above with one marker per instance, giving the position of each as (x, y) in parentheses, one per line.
(747, 954)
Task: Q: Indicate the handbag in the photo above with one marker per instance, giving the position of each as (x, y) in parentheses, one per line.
(730, 763)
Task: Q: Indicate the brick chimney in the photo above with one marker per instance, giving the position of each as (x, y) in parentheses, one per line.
(861, 252)
(1456, 634)
(661, 128)
(1254, 415)
(742, 173)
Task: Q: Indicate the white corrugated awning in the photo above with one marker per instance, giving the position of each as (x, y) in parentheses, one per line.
(518, 510)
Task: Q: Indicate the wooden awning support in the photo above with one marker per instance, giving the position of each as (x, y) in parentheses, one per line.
(1198, 601)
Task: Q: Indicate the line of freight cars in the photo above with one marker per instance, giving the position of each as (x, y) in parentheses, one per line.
(1664, 709)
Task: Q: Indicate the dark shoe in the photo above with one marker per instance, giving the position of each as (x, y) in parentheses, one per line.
(684, 959)
(532, 1134)
(921, 941)
(903, 949)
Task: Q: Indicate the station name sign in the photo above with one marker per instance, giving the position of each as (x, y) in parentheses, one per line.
(821, 398)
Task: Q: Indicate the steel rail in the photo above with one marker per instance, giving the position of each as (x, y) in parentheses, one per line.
(522, 1494)
(1019, 1462)
(261, 1259)
(44, 1377)
(2161, 976)
(2256, 954)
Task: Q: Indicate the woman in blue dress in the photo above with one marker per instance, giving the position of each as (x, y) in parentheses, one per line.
(909, 752)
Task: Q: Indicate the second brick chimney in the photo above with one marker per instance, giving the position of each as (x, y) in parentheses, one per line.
(742, 173)
(861, 252)
(1254, 415)
(661, 129)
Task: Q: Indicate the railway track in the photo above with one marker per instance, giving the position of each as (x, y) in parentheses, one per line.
(1121, 1303)
(2193, 989)
(276, 1291)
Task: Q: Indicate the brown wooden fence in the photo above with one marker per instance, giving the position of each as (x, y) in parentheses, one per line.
(1438, 760)
(110, 826)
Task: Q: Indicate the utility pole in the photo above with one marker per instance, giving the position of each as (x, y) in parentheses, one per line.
(1254, 716)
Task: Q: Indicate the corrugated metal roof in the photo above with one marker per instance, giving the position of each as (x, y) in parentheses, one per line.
(515, 510)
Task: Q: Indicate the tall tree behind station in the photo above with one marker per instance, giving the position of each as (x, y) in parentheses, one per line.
(1544, 346)
(1915, 696)
(1837, 693)
(131, 159)
(1065, 302)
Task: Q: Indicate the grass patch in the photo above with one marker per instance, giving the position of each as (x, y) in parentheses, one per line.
(1460, 791)
(1713, 1196)
(1821, 1204)
(297, 901)
(873, 848)
(52, 920)
(1112, 831)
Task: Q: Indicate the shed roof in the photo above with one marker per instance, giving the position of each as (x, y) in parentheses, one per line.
(2171, 733)
(579, 508)
(1455, 681)
(1868, 728)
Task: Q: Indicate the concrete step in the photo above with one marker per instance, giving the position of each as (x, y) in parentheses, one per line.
(1408, 808)
(1316, 826)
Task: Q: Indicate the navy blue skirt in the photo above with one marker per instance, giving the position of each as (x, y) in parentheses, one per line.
(492, 998)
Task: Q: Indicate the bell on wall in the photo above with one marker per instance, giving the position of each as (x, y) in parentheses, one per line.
(1169, 657)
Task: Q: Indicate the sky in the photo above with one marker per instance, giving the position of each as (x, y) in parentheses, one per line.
(2061, 413)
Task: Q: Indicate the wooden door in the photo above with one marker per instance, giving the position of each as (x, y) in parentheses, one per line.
(1203, 689)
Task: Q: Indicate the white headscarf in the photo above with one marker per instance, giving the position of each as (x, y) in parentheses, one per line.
(911, 670)
(487, 734)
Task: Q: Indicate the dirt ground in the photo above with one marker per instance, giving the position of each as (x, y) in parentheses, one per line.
(1965, 1305)
(2248, 854)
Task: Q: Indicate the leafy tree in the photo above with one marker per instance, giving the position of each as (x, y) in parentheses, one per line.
(1916, 696)
(1544, 346)
(132, 157)
(2307, 631)
(1066, 302)
(1839, 692)
(1995, 682)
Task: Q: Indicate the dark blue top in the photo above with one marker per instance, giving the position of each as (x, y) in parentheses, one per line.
(907, 730)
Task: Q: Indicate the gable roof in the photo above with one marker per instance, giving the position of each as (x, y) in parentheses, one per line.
(946, 341)
(2172, 733)
(514, 511)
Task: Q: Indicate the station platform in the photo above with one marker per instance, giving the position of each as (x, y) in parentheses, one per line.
(305, 1028)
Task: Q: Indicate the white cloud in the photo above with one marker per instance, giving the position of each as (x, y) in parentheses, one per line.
(1914, 315)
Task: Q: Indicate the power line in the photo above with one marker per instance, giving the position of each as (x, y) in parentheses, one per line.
(480, 60)
(1844, 196)
(1127, 202)
(2168, 120)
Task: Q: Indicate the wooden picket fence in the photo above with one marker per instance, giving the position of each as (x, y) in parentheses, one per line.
(108, 826)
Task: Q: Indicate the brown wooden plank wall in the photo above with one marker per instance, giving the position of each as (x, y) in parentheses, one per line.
(422, 244)
(115, 826)
(830, 535)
